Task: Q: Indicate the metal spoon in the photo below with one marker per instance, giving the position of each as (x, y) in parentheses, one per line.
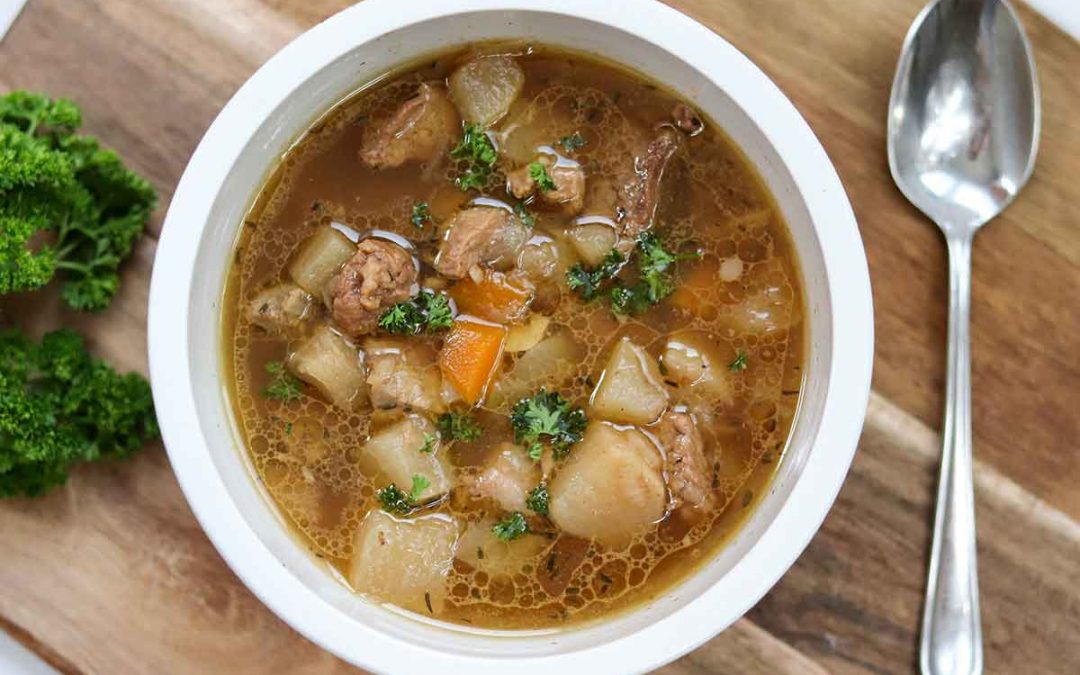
(963, 133)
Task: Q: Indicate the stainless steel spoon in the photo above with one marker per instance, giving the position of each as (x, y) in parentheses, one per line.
(963, 133)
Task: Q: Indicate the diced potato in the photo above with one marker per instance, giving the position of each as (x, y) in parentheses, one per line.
(610, 487)
(592, 241)
(281, 309)
(630, 390)
(691, 360)
(484, 89)
(403, 373)
(404, 562)
(523, 337)
(392, 455)
(320, 257)
(483, 551)
(330, 363)
(552, 362)
(470, 356)
(507, 477)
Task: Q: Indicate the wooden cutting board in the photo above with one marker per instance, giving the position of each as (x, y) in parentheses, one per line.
(112, 574)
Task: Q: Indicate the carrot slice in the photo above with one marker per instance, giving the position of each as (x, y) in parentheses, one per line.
(470, 356)
(496, 297)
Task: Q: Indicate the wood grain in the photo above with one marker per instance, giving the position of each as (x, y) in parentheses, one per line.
(112, 574)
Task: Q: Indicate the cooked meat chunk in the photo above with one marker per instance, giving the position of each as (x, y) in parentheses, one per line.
(687, 471)
(507, 477)
(610, 487)
(686, 119)
(643, 195)
(402, 374)
(379, 275)
(480, 234)
(568, 177)
(421, 130)
(280, 309)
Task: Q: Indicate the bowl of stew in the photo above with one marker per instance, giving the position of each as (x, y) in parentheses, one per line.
(510, 334)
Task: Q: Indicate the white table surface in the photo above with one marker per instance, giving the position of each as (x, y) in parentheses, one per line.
(15, 659)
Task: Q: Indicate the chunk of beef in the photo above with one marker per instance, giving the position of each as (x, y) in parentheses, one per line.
(688, 475)
(687, 120)
(507, 477)
(403, 375)
(421, 130)
(643, 195)
(380, 274)
(568, 177)
(480, 234)
(281, 309)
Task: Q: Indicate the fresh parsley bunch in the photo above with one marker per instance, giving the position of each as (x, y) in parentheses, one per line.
(67, 206)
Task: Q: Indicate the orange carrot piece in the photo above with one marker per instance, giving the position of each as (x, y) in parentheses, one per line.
(470, 356)
(496, 297)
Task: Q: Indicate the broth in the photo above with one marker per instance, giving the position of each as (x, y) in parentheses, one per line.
(324, 445)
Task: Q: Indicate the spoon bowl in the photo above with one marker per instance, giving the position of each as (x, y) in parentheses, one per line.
(963, 125)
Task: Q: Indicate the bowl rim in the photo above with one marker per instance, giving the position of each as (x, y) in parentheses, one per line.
(782, 541)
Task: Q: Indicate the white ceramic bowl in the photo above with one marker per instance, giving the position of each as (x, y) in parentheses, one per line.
(277, 104)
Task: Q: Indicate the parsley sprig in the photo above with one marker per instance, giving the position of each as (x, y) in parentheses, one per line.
(539, 173)
(587, 282)
(547, 417)
(511, 527)
(393, 500)
(427, 310)
(421, 215)
(283, 385)
(478, 154)
(458, 426)
(538, 499)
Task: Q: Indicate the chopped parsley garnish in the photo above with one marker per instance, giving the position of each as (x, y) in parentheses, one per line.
(574, 141)
(421, 215)
(430, 443)
(511, 527)
(538, 499)
(393, 500)
(655, 282)
(546, 417)
(458, 426)
(539, 173)
(527, 219)
(478, 153)
(283, 385)
(419, 484)
(740, 362)
(588, 282)
(425, 311)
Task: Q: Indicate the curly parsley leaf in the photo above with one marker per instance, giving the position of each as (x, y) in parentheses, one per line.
(573, 142)
(539, 173)
(52, 181)
(546, 417)
(458, 426)
(426, 310)
(60, 406)
(511, 527)
(421, 215)
(431, 442)
(538, 499)
(283, 385)
(419, 484)
(587, 282)
(394, 500)
(478, 154)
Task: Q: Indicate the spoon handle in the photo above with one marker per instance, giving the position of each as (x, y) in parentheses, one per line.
(951, 632)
